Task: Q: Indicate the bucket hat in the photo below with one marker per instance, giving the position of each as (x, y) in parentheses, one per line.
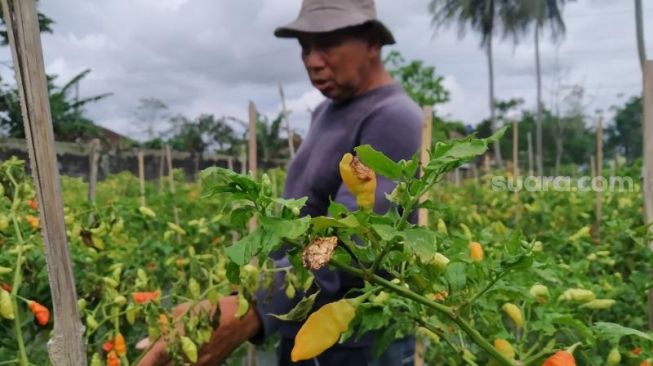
(324, 16)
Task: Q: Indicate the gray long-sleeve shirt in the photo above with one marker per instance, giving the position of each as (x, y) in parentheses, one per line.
(385, 118)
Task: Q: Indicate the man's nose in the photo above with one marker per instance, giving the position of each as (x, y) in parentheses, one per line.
(314, 59)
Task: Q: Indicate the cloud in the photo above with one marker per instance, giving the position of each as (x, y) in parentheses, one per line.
(207, 56)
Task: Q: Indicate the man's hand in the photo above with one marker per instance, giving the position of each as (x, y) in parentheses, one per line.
(231, 333)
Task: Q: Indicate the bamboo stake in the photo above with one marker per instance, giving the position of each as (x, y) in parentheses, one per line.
(161, 168)
(515, 165)
(141, 176)
(243, 160)
(599, 174)
(291, 145)
(230, 163)
(66, 345)
(422, 215)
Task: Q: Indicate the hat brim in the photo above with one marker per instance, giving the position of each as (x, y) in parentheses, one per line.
(301, 26)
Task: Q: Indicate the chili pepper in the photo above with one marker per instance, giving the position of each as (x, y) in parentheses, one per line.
(439, 296)
(164, 324)
(539, 292)
(381, 298)
(636, 351)
(4, 222)
(599, 304)
(91, 323)
(194, 288)
(6, 308)
(440, 261)
(322, 329)
(514, 313)
(119, 345)
(5, 286)
(41, 313)
(614, 357)
(504, 347)
(189, 348)
(145, 297)
(33, 221)
(359, 179)
(645, 363)
(577, 294)
(290, 291)
(442, 227)
(32, 204)
(81, 305)
(146, 211)
(120, 300)
(476, 251)
(107, 346)
(562, 358)
(5, 270)
(113, 359)
(96, 361)
(176, 228)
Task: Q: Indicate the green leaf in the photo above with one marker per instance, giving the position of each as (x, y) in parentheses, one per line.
(243, 250)
(378, 162)
(383, 340)
(609, 331)
(300, 311)
(456, 275)
(420, 242)
(574, 323)
(291, 204)
(337, 209)
(497, 135)
(386, 232)
(323, 222)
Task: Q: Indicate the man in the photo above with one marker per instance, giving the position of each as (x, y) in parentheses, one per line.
(341, 43)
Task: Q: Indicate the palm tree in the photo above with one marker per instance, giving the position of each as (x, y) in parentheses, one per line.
(483, 16)
(540, 13)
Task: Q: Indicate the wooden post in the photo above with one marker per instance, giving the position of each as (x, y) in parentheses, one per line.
(141, 176)
(599, 174)
(424, 156)
(530, 153)
(230, 163)
(647, 167)
(592, 167)
(456, 177)
(171, 178)
(93, 157)
(243, 160)
(422, 215)
(515, 149)
(161, 168)
(253, 166)
(66, 345)
(291, 145)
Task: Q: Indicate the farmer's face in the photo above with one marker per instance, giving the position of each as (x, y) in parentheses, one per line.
(338, 65)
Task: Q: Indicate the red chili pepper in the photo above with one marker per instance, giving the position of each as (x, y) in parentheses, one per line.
(107, 346)
(33, 204)
(41, 313)
(6, 287)
(636, 351)
(145, 297)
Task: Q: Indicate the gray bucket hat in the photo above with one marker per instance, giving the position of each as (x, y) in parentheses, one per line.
(323, 16)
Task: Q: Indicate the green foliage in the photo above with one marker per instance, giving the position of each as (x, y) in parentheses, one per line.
(625, 136)
(421, 82)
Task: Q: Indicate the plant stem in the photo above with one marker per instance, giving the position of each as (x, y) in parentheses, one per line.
(17, 281)
(445, 310)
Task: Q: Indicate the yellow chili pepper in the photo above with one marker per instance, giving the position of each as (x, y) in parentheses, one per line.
(6, 308)
(504, 347)
(359, 179)
(322, 329)
(514, 313)
(476, 251)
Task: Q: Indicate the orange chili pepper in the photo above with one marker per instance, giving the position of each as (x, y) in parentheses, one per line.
(113, 359)
(32, 204)
(41, 313)
(33, 221)
(145, 297)
(119, 345)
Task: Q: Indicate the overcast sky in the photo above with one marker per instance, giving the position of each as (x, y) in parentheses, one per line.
(208, 56)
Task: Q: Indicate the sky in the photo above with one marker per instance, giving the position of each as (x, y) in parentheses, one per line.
(208, 56)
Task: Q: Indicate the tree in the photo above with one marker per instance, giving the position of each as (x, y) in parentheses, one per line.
(485, 17)
(149, 112)
(68, 120)
(539, 13)
(420, 81)
(625, 135)
(45, 24)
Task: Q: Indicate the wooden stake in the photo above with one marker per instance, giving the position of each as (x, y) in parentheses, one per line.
(252, 154)
(592, 166)
(424, 156)
(291, 145)
(515, 149)
(141, 176)
(243, 160)
(171, 179)
(93, 157)
(599, 174)
(161, 168)
(66, 345)
(230, 163)
(422, 214)
(529, 137)
(648, 163)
